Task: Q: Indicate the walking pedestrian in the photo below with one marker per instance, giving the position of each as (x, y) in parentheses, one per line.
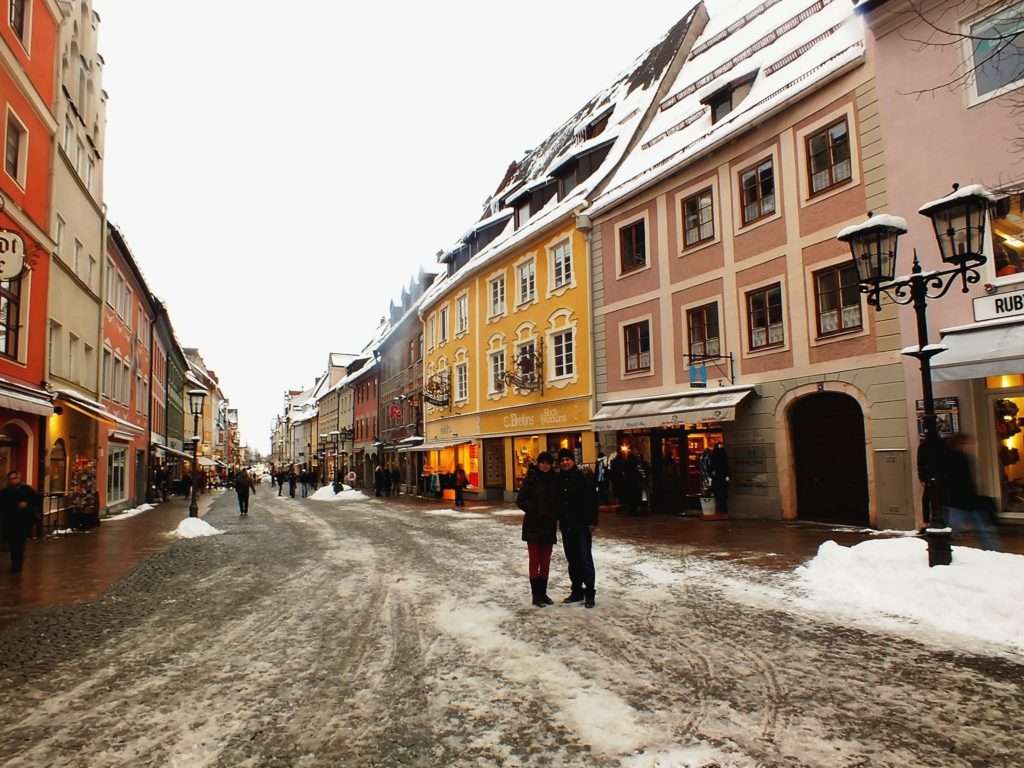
(18, 503)
(282, 476)
(243, 485)
(385, 474)
(577, 517)
(461, 481)
(378, 480)
(396, 479)
(601, 477)
(538, 498)
(292, 480)
(963, 507)
(720, 479)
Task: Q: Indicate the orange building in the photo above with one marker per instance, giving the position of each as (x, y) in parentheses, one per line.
(28, 43)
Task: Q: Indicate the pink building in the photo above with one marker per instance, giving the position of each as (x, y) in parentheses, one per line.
(967, 132)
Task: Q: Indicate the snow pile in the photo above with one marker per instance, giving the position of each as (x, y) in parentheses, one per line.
(326, 493)
(194, 527)
(454, 513)
(508, 513)
(980, 595)
(129, 513)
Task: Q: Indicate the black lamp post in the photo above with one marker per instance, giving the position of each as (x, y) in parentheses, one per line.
(959, 220)
(195, 407)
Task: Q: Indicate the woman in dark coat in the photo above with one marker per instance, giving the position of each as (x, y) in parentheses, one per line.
(539, 498)
(243, 485)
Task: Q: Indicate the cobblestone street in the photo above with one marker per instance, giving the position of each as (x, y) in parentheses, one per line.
(380, 633)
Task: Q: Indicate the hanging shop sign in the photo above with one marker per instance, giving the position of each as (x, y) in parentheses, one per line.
(999, 305)
(12, 255)
(437, 391)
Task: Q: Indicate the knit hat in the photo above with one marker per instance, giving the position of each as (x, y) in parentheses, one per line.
(545, 458)
(567, 453)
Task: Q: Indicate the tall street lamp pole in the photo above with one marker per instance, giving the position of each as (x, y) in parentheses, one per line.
(959, 221)
(195, 407)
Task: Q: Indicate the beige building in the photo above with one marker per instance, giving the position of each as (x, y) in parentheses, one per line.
(78, 226)
(725, 310)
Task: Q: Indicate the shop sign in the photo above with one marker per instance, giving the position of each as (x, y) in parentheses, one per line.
(947, 416)
(12, 255)
(540, 418)
(999, 305)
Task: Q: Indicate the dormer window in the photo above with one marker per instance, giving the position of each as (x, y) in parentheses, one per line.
(523, 214)
(726, 98)
(597, 127)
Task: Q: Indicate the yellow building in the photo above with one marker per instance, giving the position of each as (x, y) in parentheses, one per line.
(507, 330)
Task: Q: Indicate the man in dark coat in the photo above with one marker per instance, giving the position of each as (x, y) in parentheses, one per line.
(292, 480)
(378, 480)
(244, 484)
(17, 516)
(720, 479)
(539, 499)
(959, 493)
(577, 517)
(396, 480)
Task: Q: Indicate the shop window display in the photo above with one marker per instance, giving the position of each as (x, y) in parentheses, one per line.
(524, 451)
(1009, 428)
(1008, 238)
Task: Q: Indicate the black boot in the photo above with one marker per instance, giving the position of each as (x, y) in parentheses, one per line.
(538, 599)
(589, 598)
(575, 596)
(543, 591)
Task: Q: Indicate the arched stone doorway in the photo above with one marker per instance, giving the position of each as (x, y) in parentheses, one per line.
(16, 446)
(829, 461)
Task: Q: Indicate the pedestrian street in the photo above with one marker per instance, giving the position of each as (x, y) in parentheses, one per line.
(392, 632)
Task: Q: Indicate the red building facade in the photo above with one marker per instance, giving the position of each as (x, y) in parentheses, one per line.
(125, 379)
(28, 37)
(364, 424)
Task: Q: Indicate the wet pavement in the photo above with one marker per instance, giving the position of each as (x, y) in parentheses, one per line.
(392, 633)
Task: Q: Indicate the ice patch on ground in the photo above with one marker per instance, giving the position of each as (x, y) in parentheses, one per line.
(508, 513)
(454, 513)
(980, 595)
(658, 573)
(692, 756)
(326, 493)
(129, 513)
(195, 527)
(602, 719)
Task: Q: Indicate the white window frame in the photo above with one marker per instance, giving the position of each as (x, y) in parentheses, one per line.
(69, 133)
(973, 97)
(23, 146)
(56, 343)
(431, 323)
(461, 314)
(530, 282)
(570, 369)
(107, 373)
(442, 325)
(58, 231)
(24, 39)
(77, 255)
(496, 384)
(74, 346)
(499, 307)
(111, 297)
(461, 393)
(556, 258)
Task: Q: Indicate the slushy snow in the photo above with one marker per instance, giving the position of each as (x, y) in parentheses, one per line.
(980, 595)
(326, 493)
(195, 527)
(129, 513)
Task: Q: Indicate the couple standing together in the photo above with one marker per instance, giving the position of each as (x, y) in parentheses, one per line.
(566, 499)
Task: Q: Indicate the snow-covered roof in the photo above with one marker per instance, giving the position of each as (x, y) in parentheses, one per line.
(789, 46)
(878, 220)
(624, 104)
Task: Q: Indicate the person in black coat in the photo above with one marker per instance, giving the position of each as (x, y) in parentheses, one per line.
(959, 493)
(18, 503)
(378, 480)
(720, 479)
(538, 498)
(577, 517)
(292, 480)
(243, 484)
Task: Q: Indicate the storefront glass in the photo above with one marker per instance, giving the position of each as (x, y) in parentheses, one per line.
(1009, 430)
(524, 453)
(1008, 239)
(570, 440)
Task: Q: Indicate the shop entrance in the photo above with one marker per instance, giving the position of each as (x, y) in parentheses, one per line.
(676, 480)
(827, 431)
(1008, 412)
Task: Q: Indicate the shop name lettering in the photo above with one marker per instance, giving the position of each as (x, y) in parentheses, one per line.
(548, 417)
(1006, 304)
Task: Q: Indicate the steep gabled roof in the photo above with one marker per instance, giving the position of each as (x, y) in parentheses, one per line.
(787, 47)
(624, 106)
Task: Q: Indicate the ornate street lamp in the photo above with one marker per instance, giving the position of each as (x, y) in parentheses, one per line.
(195, 407)
(959, 220)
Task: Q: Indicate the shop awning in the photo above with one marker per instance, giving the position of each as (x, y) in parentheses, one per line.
(172, 451)
(982, 349)
(435, 445)
(205, 461)
(670, 410)
(94, 410)
(121, 437)
(18, 397)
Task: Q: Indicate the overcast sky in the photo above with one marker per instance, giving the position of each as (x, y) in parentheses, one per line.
(281, 169)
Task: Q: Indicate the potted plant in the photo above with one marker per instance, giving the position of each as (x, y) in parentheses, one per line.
(707, 503)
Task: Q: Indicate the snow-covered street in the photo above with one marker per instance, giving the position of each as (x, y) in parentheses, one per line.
(370, 632)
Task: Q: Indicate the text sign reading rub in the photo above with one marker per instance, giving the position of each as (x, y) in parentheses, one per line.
(999, 305)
